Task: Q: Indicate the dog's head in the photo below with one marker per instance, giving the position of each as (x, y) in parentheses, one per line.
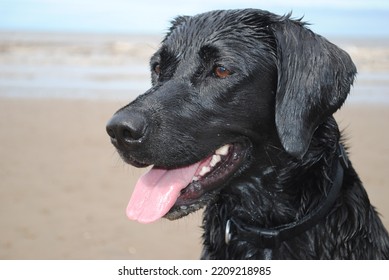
(225, 85)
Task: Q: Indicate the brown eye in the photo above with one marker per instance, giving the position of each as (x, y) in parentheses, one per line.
(157, 69)
(221, 72)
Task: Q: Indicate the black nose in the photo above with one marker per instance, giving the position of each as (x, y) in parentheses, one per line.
(127, 128)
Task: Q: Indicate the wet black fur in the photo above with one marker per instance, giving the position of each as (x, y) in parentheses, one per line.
(285, 84)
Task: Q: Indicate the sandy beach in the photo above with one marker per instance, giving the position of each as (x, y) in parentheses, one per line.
(64, 189)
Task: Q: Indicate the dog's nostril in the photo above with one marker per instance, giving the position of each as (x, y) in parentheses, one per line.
(131, 134)
(111, 133)
(127, 134)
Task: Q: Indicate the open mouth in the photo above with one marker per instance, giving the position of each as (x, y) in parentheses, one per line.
(174, 193)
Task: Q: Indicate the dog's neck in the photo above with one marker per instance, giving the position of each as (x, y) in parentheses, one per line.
(278, 195)
(270, 239)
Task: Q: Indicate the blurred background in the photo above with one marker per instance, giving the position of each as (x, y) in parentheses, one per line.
(329, 17)
(67, 66)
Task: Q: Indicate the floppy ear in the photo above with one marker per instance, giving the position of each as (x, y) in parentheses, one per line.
(314, 78)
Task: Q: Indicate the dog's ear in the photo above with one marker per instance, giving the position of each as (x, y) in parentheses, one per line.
(314, 78)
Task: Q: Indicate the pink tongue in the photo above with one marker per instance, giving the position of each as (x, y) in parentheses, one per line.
(156, 192)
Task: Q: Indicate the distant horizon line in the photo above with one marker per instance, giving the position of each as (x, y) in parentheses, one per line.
(161, 34)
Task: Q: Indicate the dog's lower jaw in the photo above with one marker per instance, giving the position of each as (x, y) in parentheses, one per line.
(178, 212)
(206, 188)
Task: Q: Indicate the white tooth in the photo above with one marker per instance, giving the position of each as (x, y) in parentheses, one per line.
(223, 151)
(195, 178)
(215, 159)
(183, 207)
(204, 170)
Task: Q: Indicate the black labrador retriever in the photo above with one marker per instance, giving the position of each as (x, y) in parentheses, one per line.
(239, 120)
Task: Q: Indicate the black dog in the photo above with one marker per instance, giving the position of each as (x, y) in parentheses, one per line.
(239, 119)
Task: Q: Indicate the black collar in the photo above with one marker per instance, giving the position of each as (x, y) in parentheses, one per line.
(270, 239)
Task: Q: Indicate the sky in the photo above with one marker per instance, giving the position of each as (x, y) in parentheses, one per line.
(327, 17)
